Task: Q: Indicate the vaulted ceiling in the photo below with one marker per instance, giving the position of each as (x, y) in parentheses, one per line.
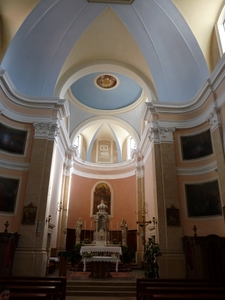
(155, 50)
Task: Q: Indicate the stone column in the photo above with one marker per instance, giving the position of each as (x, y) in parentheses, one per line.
(64, 202)
(140, 207)
(31, 256)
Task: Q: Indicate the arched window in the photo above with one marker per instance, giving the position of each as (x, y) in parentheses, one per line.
(130, 146)
(220, 31)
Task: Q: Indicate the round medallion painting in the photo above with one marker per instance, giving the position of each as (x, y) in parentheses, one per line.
(106, 81)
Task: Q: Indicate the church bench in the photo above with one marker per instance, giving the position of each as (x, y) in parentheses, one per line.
(36, 289)
(29, 296)
(148, 286)
(186, 296)
(58, 281)
(151, 292)
(141, 283)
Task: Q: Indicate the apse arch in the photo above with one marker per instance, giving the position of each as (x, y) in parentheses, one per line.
(78, 72)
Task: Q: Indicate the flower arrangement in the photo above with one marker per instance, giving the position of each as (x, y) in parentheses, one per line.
(88, 255)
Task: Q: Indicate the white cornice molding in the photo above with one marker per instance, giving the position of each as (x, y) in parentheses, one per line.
(107, 171)
(56, 107)
(186, 123)
(218, 73)
(210, 85)
(200, 170)
(104, 176)
(10, 165)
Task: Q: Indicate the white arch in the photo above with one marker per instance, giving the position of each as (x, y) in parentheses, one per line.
(105, 119)
(101, 66)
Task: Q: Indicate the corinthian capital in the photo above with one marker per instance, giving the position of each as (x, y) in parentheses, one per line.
(46, 130)
(214, 118)
(161, 134)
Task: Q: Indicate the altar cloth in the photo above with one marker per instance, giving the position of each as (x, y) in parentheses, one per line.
(100, 259)
(101, 249)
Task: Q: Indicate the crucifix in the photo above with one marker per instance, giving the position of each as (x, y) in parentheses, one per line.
(145, 223)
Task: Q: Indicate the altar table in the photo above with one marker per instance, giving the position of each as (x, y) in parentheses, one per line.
(102, 257)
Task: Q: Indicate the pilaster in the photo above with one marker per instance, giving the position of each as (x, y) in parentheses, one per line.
(31, 254)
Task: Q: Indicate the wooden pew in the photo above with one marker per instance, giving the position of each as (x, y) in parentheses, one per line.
(36, 289)
(141, 283)
(29, 296)
(187, 296)
(59, 282)
(148, 288)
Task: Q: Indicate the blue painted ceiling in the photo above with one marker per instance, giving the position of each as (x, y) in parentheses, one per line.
(88, 93)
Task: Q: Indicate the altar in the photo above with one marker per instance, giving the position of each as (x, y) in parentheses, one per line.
(100, 259)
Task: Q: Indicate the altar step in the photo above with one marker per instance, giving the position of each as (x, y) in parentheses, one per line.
(101, 288)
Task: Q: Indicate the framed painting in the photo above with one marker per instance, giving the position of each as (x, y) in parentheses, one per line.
(29, 214)
(196, 146)
(203, 199)
(8, 194)
(173, 218)
(102, 191)
(12, 140)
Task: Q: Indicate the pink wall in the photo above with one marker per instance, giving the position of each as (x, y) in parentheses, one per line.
(124, 201)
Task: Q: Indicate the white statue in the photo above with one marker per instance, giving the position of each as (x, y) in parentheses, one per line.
(78, 230)
(123, 226)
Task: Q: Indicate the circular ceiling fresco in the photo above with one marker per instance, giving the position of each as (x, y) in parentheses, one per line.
(109, 91)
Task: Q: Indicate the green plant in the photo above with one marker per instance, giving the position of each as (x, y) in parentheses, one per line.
(128, 254)
(75, 256)
(151, 253)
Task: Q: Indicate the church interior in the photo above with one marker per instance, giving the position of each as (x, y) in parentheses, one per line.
(117, 104)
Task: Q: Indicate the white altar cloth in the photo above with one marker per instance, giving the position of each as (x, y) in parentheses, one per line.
(100, 259)
(101, 249)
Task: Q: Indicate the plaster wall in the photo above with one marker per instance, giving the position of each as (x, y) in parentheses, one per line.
(124, 202)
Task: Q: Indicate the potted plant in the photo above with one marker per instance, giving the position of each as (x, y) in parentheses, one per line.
(75, 256)
(151, 268)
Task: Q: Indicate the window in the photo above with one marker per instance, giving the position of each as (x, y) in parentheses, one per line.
(220, 31)
(130, 146)
(77, 144)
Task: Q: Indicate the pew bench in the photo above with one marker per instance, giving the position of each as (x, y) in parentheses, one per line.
(29, 296)
(152, 292)
(36, 289)
(148, 288)
(57, 284)
(187, 296)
